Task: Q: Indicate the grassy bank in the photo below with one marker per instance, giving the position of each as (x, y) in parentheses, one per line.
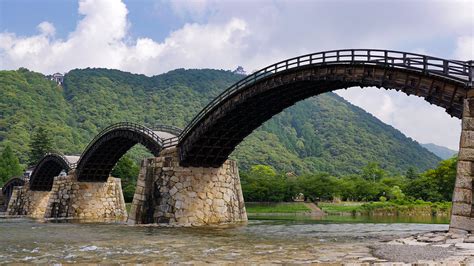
(283, 207)
(407, 208)
(340, 208)
(379, 208)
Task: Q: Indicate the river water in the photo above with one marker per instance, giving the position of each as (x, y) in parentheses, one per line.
(263, 239)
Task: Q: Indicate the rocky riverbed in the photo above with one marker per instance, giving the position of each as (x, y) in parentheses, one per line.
(439, 247)
(258, 242)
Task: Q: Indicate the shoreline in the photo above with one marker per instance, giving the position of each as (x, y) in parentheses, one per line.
(373, 209)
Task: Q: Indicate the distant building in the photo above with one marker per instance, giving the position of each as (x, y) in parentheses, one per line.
(28, 172)
(239, 71)
(57, 77)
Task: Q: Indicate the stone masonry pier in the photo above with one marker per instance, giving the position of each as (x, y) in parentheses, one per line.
(68, 198)
(462, 217)
(169, 194)
(166, 193)
(28, 202)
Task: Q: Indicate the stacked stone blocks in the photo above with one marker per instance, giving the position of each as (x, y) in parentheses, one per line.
(27, 202)
(69, 198)
(462, 217)
(167, 193)
(90, 201)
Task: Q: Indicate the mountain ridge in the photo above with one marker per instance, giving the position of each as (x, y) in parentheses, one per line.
(440, 151)
(321, 134)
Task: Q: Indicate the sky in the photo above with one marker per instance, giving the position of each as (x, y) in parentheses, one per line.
(154, 36)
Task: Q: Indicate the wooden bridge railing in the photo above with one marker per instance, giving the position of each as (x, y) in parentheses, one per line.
(452, 69)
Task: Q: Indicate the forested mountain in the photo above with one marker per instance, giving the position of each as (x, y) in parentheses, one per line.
(440, 151)
(324, 133)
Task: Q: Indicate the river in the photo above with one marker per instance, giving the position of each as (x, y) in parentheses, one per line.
(263, 239)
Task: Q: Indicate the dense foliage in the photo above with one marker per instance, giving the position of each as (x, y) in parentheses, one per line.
(9, 165)
(321, 134)
(263, 184)
(127, 170)
(41, 143)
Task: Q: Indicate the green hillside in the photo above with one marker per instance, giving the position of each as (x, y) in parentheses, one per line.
(440, 151)
(324, 133)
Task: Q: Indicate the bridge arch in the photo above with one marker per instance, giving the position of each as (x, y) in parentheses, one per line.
(105, 150)
(7, 190)
(215, 132)
(51, 165)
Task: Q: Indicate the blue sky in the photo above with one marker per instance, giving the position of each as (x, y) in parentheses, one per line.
(22, 16)
(155, 36)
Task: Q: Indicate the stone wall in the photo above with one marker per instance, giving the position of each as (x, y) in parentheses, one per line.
(88, 201)
(189, 196)
(17, 205)
(68, 198)
(27, 202)
(463, 211)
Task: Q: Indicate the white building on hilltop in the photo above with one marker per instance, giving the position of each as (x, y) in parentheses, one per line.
(58, 78)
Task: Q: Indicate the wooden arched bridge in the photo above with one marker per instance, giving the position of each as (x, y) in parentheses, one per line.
(212, 135)
(102, 153)
(215, 132)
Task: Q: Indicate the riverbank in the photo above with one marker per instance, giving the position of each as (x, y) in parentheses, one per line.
(283, 208)
(387, 208)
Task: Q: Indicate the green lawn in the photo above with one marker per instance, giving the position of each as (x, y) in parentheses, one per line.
(329, 207)
(276, 207)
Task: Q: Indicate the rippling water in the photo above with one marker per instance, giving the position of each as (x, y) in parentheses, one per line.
(24, 240)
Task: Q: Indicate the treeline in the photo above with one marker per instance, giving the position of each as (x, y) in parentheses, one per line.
(263, 184)
(10, 166)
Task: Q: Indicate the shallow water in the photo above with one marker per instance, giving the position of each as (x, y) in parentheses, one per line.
(272, 240)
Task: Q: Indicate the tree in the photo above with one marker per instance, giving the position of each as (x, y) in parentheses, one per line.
(396, 193)
(9, 165)
(127, 170)
(41, 143)
(373, 172)
(435, 184)
(411, 173)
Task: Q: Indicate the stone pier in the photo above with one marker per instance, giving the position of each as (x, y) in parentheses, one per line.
(89, 201)
(68, 198)
(167, 193)
(462, 217)
(27, 202)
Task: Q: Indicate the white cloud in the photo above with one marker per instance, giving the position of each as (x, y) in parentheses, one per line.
(96, 41)
(248, 33)
(465, 48)
(99, 40)
(193, 46)
(410, 114)
(197, 9)
(258, 33)
(46, 28)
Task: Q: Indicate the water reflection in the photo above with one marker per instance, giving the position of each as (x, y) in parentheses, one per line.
(268, 240)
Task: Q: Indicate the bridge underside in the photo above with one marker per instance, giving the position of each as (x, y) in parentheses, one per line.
(7, 190)
(213, 139)
(99, 160)
(43, 176)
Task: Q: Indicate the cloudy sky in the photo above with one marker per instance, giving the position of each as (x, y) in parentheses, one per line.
(155, 36)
